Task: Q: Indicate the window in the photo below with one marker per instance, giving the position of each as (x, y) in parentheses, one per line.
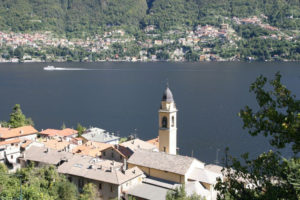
(173, 121)
(80, 183)
(111, 188)
(103, 153)
(164, 149)
(164, 122)
(112, 154)
(11, 156)
(100, 186)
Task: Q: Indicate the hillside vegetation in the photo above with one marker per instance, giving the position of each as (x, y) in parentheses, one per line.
(80, 17)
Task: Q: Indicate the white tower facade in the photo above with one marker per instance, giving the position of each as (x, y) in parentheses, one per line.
(168, 124)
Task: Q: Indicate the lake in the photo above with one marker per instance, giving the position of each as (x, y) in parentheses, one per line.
(124, 98)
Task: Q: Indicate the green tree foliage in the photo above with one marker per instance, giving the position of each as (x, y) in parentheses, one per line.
(17, 118)
(37, 183)
(180, 194)
(80, 129)
(78, 18)
(278, 115)
(74, 17)
(269, 176)
(90, 192)
(19, 52)
(63, 126)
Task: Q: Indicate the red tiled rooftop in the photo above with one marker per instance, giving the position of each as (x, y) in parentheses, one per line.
(6, 133)
(55, 132)
(10, 142)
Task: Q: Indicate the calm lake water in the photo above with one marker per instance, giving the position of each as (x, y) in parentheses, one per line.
(121, 97)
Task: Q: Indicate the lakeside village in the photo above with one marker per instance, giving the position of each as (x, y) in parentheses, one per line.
(134, 168)
(203, 43)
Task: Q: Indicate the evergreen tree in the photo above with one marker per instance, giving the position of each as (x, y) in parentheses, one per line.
(80, 129)
(18, 119)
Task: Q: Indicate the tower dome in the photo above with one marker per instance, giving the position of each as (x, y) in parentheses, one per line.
(168, 96)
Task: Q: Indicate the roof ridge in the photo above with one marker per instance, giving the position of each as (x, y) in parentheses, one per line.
(159, 152)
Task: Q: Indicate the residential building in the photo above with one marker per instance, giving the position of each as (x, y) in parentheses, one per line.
(90, 148)
(9, 153)
(43, 156)
(112, 178)
(58, 144)
(100, 135)
(22, 133)
(66, 133)
(133, 145)
(177, 169)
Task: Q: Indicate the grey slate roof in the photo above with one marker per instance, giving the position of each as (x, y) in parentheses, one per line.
(167, 96)
(45, 155)
(204, 175)
(161, 161)
(99, 170)
(147, 191)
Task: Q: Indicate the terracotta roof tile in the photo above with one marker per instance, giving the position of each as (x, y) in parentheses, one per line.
(56, 132)
(155, 142)
(6, 133)
(10, 142)
(24, 145)
(55, 144)
(90, 148)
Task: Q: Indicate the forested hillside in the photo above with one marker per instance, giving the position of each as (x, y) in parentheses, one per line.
(77, 17)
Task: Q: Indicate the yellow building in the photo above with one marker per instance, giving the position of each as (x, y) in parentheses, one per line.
(168, 124)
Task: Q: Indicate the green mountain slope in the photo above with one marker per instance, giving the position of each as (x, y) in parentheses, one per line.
(77, 17)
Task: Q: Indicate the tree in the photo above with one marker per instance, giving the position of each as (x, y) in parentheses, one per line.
(180, 194)
(66, 190)
(278, 116)
(80, 129)
(63, 126)
(19, 52)
(269, 176)
(18, 119)
(90, 192)
(37, 183)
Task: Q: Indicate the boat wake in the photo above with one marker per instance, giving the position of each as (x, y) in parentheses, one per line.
(52, 68)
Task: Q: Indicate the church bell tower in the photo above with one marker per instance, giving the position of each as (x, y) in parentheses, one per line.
(167, 123)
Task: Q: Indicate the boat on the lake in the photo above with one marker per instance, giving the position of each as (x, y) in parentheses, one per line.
(52, 68)
(49, 67)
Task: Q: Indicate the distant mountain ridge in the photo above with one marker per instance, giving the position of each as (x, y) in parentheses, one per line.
(75, 17)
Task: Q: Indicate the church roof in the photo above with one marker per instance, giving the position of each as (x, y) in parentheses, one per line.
(167, 96)
(162, 161)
